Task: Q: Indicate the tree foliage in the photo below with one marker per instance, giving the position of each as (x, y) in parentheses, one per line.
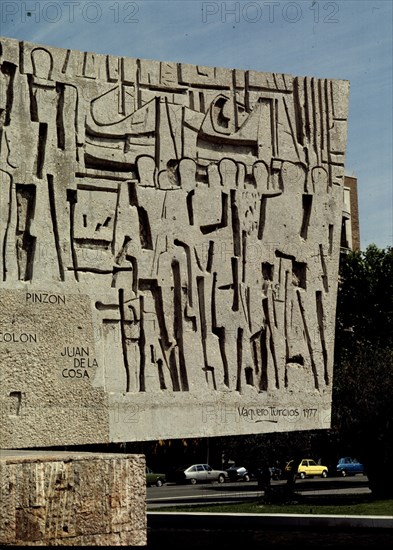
(365, 301)
(363, 376)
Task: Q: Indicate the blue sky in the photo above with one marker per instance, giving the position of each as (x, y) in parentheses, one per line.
(344, 39)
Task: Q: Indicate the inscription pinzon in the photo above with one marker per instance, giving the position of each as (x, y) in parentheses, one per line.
(44, 298)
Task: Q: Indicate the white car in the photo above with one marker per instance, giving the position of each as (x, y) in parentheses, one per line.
(200, 473)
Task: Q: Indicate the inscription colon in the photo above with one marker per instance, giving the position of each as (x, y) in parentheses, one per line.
(44, 298)
(22, 338)
(82, 362)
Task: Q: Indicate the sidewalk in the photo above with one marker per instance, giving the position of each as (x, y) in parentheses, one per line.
(229, 498)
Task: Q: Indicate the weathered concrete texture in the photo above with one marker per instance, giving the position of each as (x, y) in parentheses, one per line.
(169, 245)
(60, 498)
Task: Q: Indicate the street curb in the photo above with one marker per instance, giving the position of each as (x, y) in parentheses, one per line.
(247, 521)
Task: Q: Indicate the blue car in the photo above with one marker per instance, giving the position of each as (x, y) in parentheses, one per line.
(348, 466)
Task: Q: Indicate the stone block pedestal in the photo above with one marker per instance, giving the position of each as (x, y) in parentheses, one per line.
(53, 498)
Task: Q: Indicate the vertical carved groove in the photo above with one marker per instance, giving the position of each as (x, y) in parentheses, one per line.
(277, 146)
(202, 313)
(235, 279)
(178, 323)
(33, 100)
(173, 370)
(60, 116)
(324, 269)
(239, 347)
(307, 107)
(308, 339)
(187, 251)
(142, 344)
(10, 207)
(124, 339)
(244, 258)
(202, 102)
(298, 112)
(72, 198)
(66, 61)
(295, 144)
(52, 204)
(161, 376)
(156, 291)
(210, 255)
(307, 208)
(286, 328)
(249, 373)
(331, 234)
(320, 317)
(113, 242)
(190, 209)
(25, 242)
(220, 332)
(235, 225)
(265, 305)
(255, 356)
(157, 132)
(9, 70)
(144, 223)
(172, 133)
(42, 137)
(263, 383)
(321, 113)
(262, 217)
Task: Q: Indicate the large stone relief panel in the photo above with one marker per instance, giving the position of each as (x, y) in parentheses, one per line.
(169, 244)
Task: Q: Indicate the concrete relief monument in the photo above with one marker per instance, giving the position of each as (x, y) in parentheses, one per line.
(169, 245)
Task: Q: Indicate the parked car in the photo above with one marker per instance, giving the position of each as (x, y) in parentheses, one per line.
(199, 473)
(153, 478)
(238, 473)
(348, 466)
(308, 468)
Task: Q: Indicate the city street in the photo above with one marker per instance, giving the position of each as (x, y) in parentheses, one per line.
(171, 494)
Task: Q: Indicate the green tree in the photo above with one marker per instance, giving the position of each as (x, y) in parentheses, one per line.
(362, 412)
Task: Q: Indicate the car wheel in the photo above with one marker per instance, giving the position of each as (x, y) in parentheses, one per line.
(324, 473)
(246, 477)
(221, 479)
(158, 482)
(343, 473)
(302, 475)
(193, 481)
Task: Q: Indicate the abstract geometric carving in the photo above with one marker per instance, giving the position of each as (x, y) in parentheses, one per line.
(169, 242)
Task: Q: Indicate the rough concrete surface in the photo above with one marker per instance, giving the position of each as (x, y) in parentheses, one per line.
(169, 245)
(74, 499)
